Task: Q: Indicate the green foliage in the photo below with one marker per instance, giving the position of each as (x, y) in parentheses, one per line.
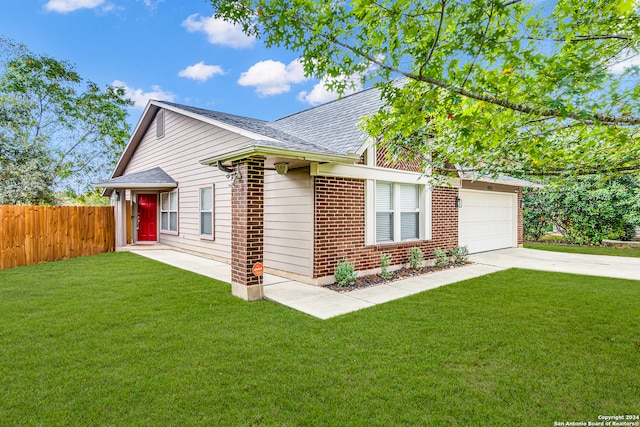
(441, 259)
(385, 262)
(460, 254)
(54, 132)
(345, 273)
(89, 198)
(415, 258)
(516, 87)
(585, 210)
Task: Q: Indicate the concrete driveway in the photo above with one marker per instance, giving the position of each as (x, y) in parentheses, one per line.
(592, 265)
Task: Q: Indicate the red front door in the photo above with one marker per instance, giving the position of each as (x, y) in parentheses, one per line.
(147, 217)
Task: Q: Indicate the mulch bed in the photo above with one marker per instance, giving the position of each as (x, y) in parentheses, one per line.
(376, 279)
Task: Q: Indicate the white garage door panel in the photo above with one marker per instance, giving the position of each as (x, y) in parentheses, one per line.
(486, 220)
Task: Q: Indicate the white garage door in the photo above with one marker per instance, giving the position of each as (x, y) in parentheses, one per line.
(487, 220)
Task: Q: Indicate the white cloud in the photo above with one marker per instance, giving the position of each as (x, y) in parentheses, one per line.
(218, 31)
(320, 94)
(140, 97)
(64, 6)
(632, 59)
(201, 71)
(272, 77)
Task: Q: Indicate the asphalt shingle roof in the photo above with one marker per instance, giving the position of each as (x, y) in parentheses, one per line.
(331, 128)
(151, 176)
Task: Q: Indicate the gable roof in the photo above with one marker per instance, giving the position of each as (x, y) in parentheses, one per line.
(336, 124)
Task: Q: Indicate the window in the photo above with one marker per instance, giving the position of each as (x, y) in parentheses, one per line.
(160, 124)
(169, 212)
(397, 212)
(384, 212)
(206, 212)
(409, 212)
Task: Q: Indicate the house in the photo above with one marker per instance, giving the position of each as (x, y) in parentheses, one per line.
(299, 194)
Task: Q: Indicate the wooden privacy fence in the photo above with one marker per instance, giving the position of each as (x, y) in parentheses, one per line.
(33, 234)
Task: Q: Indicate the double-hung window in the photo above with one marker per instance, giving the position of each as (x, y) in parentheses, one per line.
(397, 212)
(169, 212)
(206, 212)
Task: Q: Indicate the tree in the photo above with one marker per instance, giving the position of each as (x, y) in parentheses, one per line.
(585, 210)
(492, 86)
(53, 131)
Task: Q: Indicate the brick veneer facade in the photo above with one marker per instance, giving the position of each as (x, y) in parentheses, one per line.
(340, 227)
(247, 229)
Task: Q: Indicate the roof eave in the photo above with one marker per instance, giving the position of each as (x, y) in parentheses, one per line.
(266, 151)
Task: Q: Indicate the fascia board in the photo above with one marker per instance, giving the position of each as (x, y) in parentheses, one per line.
(148, 186)
(367, 172)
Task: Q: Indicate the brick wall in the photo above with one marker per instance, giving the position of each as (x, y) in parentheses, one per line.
(247, 231)
(405, 162)
(340, 227)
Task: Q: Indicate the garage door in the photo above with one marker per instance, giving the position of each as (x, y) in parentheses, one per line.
(487, 220)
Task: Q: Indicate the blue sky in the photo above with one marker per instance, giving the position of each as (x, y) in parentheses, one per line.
(164, 49)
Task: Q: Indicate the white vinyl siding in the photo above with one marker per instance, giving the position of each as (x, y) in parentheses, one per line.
(206, 212)
(186, 142)
(397, 212)
(169, 212)
(288, 221)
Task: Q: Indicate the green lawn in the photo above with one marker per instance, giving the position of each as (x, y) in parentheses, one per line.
(118, 339)
(589, 250)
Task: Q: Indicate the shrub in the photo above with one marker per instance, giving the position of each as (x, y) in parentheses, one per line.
(345, 273)
(460, 254)
(385, 262)
(415, 258)
(441, 257)
(585, 210)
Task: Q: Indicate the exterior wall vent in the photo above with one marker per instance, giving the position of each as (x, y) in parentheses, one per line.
(160, 124)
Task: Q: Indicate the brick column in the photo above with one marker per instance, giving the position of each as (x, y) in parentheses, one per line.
(247, 228)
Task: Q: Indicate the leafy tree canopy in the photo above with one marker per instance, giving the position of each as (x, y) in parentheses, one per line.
(492, 86)
(56, 130)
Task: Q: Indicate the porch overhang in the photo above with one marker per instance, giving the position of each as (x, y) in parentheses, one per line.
(153, 180)
(275, 154)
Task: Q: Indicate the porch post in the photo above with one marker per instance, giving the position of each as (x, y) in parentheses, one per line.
(120, 212)
(247, 228)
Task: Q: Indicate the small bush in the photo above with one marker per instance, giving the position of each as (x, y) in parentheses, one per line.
(441, 257)
(460, 254)
(385, 262)
(345, 273)
(415, 258)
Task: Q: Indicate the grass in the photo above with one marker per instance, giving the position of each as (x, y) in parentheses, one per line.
(118, 339)
(589, 250)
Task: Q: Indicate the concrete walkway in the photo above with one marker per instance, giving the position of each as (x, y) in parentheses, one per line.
(324, 303)
(590, 265)
(314, 300)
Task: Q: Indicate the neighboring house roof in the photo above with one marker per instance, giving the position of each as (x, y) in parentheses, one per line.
(500, 179)
(152, 178)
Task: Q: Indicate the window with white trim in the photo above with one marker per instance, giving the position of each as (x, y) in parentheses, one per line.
(169, 212)
(206, 212)
(397, 212)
